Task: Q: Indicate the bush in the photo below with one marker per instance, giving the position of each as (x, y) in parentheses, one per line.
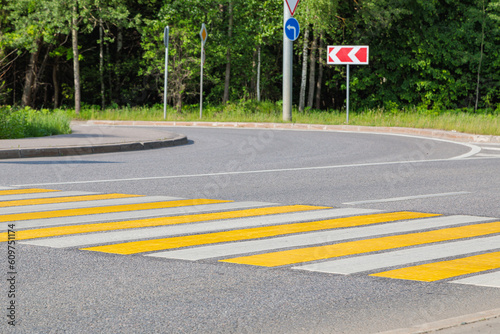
(26, 122)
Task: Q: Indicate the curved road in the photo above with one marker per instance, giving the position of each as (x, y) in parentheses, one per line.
(75, 291)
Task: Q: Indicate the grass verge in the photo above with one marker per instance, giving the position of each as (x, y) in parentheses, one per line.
(485, 122)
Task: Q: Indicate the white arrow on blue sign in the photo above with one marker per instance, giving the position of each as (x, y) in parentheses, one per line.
(292, 29)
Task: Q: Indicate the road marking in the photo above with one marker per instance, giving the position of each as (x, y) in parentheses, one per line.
(293, 256)
(273, 216)
(119, 200)
(128, 215)
(253, 246)
(394, 199)
(244, 172)
(409, 245)
(436, 271)
(24, 191)
(70, 199)
(397, 258)
(100, 227)
(63, 199)
(489, 279)
(44, 195)
(104, 209)
(486, 148)
(250, 233)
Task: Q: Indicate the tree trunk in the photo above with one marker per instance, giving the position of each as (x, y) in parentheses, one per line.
(39, 74)
(228, 55)
(55, 82)
(302, 96)
(320, 72)
(76, 62)
(480, 60)
(258, 73)
(312, 72)
(29, 80)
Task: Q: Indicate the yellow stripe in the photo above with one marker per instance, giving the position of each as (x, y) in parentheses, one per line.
(87, 228)
(250, 233)
(24, 191)
(105, 209)
(54, 200)
(281, 258)
(441, 270)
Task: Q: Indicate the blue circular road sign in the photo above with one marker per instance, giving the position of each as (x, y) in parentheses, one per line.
(292, 29)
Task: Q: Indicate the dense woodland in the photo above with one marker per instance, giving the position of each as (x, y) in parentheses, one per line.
(435, 54)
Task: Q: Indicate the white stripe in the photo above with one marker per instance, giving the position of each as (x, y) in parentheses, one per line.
(485, 155)
(406, 256)
(312, 238)
(85, 204)
(51, 194)
(5, 188)
(194, 228)
(486, 148)
(394, 199)
(472, 152)
(128, 215)
(489, 279)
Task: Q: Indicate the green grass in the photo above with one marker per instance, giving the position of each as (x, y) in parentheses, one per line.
(26, 122)
(486, 122)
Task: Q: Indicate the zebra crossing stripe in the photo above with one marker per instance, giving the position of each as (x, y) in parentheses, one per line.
(436, 271)
(314, 238)
(251, 233)
(103, 202)
(161, 221)
(24, 191)
(293, 256)
(67, 199)
(489, 279)
(362, 263)
(105, 209)
(272, 217)
(4, 198)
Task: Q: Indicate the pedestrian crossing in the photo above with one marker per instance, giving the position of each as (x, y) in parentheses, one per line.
(410, 246)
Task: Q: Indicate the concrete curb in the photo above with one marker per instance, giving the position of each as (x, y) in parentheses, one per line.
(92, 149)
(448, 135)
(447, 323)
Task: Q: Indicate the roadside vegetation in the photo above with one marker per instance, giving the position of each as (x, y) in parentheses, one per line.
(26, 122)
(483, 121)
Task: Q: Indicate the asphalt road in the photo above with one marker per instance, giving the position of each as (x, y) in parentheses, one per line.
(73, 291)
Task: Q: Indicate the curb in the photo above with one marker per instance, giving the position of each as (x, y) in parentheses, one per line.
(81, 150)
(449, 135)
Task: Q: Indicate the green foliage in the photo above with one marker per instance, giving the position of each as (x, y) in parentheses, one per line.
(26, 122)
(432, 54)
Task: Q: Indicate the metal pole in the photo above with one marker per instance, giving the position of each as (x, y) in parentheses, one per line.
(165, 89)
(287, 68)
(201, 81)
(347, 103)
(165, 39)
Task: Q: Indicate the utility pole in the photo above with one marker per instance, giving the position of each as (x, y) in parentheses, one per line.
(287, 68)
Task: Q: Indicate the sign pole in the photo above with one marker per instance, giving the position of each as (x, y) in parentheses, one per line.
(201, 81)
(287, 68)
(347, 103)
(203, 37)
(165, 40)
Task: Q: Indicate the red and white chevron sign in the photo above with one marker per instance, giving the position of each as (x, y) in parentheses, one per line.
(347, 55)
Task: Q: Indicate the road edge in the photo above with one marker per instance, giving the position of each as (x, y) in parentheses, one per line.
(449, 135)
